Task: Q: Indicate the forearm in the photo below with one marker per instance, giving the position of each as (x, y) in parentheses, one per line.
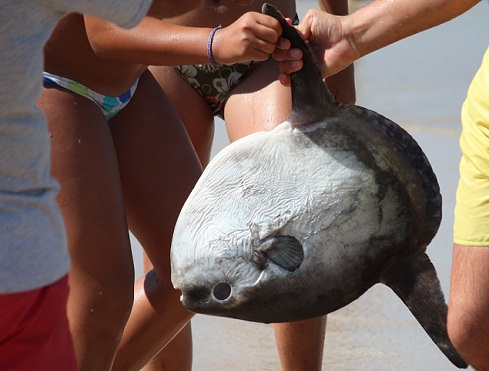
(383, 22)
(152, 42)
(254, 36)
(340, 40)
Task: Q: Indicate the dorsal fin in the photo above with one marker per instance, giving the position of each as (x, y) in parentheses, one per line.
(311, 99)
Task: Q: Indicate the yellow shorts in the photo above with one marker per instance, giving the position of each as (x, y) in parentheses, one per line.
(472, 208)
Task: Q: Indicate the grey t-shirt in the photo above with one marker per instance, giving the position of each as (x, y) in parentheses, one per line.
(33, 251)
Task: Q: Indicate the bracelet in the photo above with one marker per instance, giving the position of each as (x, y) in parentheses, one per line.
(209, 44)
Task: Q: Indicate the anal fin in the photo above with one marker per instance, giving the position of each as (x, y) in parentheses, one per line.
(415, 281)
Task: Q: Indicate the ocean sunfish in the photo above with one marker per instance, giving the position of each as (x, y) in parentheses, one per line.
(300, 221)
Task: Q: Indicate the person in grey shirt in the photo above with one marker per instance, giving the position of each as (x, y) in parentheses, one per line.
(34, 259)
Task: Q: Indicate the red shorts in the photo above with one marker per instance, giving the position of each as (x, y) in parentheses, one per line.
(34, 332)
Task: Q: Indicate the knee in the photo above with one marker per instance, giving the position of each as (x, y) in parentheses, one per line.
(162, 295)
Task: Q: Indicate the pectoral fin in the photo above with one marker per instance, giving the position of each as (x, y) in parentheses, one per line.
(285, 251)
(415, 281)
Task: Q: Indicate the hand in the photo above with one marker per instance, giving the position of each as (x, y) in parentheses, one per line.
(325, 34)
(254, 36)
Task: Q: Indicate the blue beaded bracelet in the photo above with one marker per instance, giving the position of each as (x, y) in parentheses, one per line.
(209, 44)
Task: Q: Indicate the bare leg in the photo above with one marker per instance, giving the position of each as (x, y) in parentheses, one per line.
(192, 109)
(101, 278)
(295, 340)
(261, 103)
(158, 169)
(177, 355)
(174, 356)
(468, 322)
(199, 122)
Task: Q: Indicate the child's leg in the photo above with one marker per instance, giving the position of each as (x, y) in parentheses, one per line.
(192, 109)
(199, 122)
(177, 355)
(300, 344)
(158, 169)
(102, 276)
(258, 103)
(261, 103)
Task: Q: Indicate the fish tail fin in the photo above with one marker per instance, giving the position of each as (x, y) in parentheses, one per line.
(415, 281)
(310, 95)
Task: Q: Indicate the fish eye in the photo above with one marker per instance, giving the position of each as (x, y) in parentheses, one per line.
(222, 291)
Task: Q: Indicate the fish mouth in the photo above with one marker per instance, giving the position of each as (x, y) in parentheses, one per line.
(214, 296)
(201, 299)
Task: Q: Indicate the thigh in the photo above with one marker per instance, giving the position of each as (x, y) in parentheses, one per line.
(84, 162)
(259, 103)
(192, 108)
(158, 167)
(34, 328)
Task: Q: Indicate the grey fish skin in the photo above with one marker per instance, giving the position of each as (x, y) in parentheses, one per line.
(301, 221)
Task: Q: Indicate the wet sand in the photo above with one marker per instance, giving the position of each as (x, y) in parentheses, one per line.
(420, 83)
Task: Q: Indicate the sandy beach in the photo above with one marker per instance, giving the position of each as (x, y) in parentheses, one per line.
(420, 83)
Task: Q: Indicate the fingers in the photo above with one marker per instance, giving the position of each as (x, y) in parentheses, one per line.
(283, 44)
(254, 36)
(286, 68)
(284, 79)
(259, 40)
(291, 60)
(267, 29)
(287, 55)
(306, 23)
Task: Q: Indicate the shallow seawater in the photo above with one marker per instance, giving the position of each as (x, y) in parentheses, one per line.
(420, 83)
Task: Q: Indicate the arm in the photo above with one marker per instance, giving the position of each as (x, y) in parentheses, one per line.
(400, 19)
(154, 42)
(338, 41)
